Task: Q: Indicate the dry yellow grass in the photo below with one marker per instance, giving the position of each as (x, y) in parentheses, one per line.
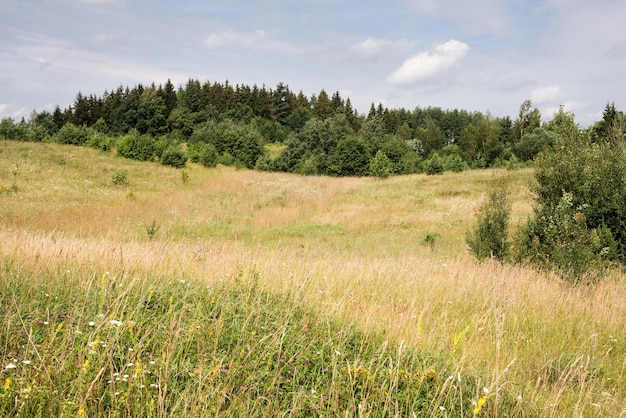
(354, 248)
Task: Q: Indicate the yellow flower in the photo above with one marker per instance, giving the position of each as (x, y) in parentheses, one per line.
(137, 368)
(7, 384)
(81, 412)
(431, 373)
(479, 405)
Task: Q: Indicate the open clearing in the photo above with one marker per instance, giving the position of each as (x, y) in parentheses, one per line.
(387, 257)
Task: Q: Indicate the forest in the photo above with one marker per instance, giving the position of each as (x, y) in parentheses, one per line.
(275, 129)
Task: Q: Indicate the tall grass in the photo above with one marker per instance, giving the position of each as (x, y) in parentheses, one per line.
(248, 269)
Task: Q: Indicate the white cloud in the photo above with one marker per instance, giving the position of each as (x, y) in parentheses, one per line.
(258, 39)
(429, 63)
(374, 48)
(546, 94)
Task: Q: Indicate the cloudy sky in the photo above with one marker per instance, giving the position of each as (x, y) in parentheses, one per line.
(479, 55)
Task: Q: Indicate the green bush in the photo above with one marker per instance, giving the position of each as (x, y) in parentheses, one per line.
(135, 147)
(119, 178)
(489, 237)
(100, 141)
(454, 162)
(208, 155)
(579, 219)
(380, 165)
(174, 156)
(351, 157)
(11, 130)
(434, 165)
(73, 135)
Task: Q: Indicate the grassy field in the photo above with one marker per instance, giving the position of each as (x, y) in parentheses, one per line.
(218, 292)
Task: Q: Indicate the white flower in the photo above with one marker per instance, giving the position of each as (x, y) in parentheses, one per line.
(486, 391)
(519, 398)
(442, 408)
(115, 323)
(26, 362)
(10, 366)
(91, 323)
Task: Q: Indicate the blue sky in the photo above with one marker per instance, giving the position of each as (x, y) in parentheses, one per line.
(481, 55)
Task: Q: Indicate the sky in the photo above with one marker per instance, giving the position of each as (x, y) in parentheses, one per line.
(479, 55)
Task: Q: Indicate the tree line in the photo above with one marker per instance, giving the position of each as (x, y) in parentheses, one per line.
(323, 134)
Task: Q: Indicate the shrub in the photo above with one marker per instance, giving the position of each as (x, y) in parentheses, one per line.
(380, 165)
(489, 238)
(73, 135)
(119, 178)
(434, 165)
(579, 219)
(174, 156)
(135, 147)
(100, 141)
(455, 162)
(11, 130)
(208, 155)
(351, 157)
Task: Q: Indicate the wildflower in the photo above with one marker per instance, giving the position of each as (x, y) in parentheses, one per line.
(26, 362)
(81, 412)
(115, 323)
(431, 373)
(442, 408)
(137, 368)
(10, 366)
(86, 365)
(7, 384)
(91, 323)
(478, 406)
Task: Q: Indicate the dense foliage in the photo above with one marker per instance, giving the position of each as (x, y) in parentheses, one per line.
(320, 134)
(579, 219)
(578, 225)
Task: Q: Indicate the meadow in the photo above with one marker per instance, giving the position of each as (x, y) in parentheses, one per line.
(135, 289)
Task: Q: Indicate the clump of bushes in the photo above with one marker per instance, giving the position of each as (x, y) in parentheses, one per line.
(174, 156)
(136, 147)
(578, 224)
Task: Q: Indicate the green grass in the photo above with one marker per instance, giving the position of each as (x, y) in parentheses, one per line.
(86, 344)
(360, 286)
